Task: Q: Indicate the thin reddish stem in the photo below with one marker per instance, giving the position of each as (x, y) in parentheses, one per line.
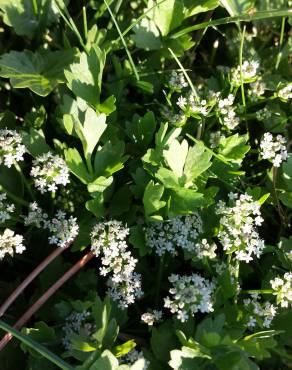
(31, 277)
(36, 306)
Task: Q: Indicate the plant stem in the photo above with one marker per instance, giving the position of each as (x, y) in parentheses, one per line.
(14, 197)
(278, 205)
(25, 182)
(257, 291)
(279, 56)
(38, 304)
(85, 29)
(13, 296)
(159, 279)
(240, 64)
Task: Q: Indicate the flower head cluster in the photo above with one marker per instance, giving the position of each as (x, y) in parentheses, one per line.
(227, 112)
(192, 105)
(249, 70)
(63, 230)
(174, 118)
(257, 89)
(191, 294)
(11, 147)
(133, 356)
(283, 289)
(35, 216)
(108, 239)
(261, 314)
(203, 249)
(49, 171)
(177, 81)
(263, 114)
(239, 226)
(10, 243)
(180, 231)
(274, 149)
(286, 92)
(150, 318)
(76, 324)
(6, 209)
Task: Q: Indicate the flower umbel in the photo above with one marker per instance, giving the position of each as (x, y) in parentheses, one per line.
(6, 209)
(11, 147)
(274, 148)
(49, 171)
(283, 289)
(10, 243)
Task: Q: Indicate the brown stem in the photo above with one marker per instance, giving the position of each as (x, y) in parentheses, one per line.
(31, 277)
(35, 307)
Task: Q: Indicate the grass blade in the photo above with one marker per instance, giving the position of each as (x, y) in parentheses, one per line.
(239, 18)
(43, 351)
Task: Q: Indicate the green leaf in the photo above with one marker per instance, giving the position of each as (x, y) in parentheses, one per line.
(287, 172)
(141, 130)
(168, 178)
(234, 147)
(176, 155)
(84, 78)
(167, 16)
(146, 35)
(20, 15)
(107, 361)
(109, 158)
(151, 199)
(137, 239)
(184, 201)
(163, 340)
(40, 72)
(99, 184)
(200, 6)
(76, 165)
(36, 346)
(198, 161)
(237, 7)
(35, 142)
(124, 348)
(96, 205)
(107, 106)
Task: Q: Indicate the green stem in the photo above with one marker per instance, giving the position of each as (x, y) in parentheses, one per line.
(257, 291)
(14, 197)
(35, 7)
(85, 29)
(279, 56)
(158, 280)
(240, 63)
(25, 182)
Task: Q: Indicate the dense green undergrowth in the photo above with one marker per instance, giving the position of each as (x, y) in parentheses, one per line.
(146, 174)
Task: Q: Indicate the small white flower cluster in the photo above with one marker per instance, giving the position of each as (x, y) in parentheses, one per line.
(11, 147)
(250, 70)
(177, 81)
(189, 104)
(239, 226)
(76, 324)
(150, 318)
(283, 289)
(259, 313)
(257, 89)
(274, 148)
(191, 294)
(49, 171)
(286, 92)
(133, 356)
(10, 243)
(227, 111)
(5, 208)
(63, 230)
(263, 114)
(180, 231)
(204, 250)
(173, 118)
(35, 216)
(108, 239)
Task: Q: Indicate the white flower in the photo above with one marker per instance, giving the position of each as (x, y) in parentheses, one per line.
(177, 81)
(150, 318)
(249, 72)
(10, 243)
(190, 294)
(238, 226)
(283, 289)
(49, 171)
(35, 216)
(261, 314)
(180, 231)
(108, 239)
(11, 147)
(63, 230)
(257, 89)
(203, 249)
(227, 112)
(286, 92)
(181, 102)
(6, 209)
(274, 148)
